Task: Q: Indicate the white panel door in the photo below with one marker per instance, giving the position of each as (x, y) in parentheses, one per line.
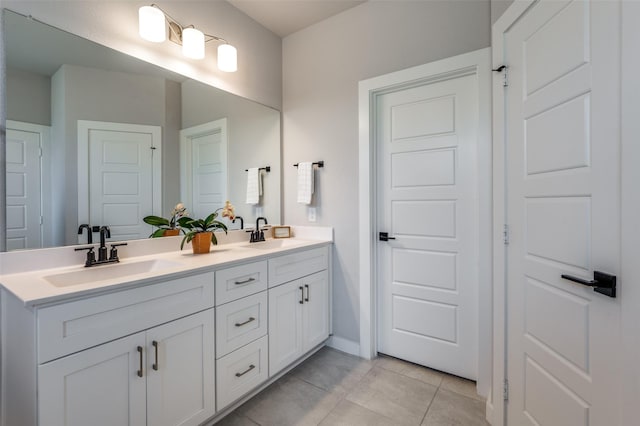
(204, 167)
(104, 385)
(121, 165)
(563, 208)
(180, 371)
(24, 183)
(427, 201)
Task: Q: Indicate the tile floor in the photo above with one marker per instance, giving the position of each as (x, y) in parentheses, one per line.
(334, 388)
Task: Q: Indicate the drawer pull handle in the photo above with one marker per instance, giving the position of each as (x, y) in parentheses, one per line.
(306, 299)
(301, 295)
(240, 324)
(251, 367)
(140, 353)
(247, 281)
(155, 365)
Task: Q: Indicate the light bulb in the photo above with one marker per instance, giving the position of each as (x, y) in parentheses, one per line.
(227, 58)
(193, 43)
(152, 26)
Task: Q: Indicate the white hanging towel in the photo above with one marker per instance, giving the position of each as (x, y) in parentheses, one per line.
(254, 186)
(305, 182)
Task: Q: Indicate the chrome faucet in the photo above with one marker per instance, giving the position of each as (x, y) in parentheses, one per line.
(257, 235)
(89, 232)
(241, 221)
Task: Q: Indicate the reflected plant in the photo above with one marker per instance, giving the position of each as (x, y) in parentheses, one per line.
(163, 224)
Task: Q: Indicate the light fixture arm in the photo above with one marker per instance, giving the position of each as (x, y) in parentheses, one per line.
(175, 29)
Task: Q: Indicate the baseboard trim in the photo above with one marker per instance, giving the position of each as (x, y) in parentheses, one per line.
(344, 345)
(489, 412)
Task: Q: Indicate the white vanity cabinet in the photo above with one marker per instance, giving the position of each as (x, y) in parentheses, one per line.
(162, 376)
(241, 331)
(298, 309)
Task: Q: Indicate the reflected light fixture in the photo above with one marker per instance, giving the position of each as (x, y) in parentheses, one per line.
(153, 23)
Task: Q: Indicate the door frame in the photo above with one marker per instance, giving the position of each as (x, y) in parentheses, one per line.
(186, 169)
(630, 209)
(83, 164)
(472, 63)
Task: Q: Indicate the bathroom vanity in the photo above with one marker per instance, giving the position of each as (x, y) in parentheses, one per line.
(163, 339)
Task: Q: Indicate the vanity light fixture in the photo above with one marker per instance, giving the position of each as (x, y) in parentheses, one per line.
(153, 23)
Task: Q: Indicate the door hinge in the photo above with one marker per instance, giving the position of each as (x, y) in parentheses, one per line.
(505, 234)
(41, 220)
(505, 390)
(40, 152)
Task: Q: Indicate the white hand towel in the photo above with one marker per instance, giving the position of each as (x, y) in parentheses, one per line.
(305, 182)
(254, 188)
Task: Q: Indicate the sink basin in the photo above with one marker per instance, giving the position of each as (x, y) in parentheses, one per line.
(272, 244)
(107, 272)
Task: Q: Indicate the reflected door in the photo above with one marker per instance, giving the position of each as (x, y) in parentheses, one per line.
(118, 177)
(203, 172)
(24, 183)
(428, 274)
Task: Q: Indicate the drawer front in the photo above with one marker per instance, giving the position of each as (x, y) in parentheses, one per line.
(293, 266)
(240, 322)
(241, 371)
(240, 281)
(73, 326)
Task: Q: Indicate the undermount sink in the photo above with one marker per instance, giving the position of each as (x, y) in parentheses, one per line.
(272, 244)
(108, 272)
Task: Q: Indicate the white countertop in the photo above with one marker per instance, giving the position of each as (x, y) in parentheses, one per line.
(35, 287)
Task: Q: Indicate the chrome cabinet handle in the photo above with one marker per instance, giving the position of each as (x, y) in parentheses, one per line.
(251, 367)
(306, 299)
(240, 324)
(245, 281)
(155, 365)
(301, 295)
(140, 353)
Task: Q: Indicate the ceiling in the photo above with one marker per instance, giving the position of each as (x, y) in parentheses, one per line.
(284, 17)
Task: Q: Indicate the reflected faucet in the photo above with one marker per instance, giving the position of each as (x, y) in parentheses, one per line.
(89, 232)
(257, 235)
(241, 221)
(105, 233)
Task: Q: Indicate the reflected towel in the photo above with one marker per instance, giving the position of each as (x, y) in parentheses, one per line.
(305, 182)
(254, 186)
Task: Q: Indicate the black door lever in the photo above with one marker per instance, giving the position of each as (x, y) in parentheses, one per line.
(602, 283)
(384, 236)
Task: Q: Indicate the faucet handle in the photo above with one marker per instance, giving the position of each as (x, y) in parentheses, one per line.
(113, 254)
(91, 256)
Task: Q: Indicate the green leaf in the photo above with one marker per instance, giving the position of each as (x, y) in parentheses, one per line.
(156, 221)
(157, 233)
(214, 240)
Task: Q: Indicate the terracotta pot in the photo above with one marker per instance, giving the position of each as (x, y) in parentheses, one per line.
(171, 232)
(201, 243)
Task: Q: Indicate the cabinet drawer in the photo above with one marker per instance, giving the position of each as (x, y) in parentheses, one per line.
(241, 371)
(293, 266)
(73, 326)
(240, 281)
(240, 322)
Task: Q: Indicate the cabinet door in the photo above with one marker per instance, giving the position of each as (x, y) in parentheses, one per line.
(315, 311)
(98, 386)
(285, 325)
(180, 371)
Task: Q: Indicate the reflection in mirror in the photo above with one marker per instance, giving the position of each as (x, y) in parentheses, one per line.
(97, 137)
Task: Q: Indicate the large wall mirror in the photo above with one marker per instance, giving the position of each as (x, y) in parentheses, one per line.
(98, 137)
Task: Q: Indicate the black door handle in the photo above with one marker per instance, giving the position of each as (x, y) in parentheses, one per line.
(384, 236)
(602, 283)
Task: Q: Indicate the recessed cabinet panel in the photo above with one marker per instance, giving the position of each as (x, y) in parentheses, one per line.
(241, 371)
(240, 322)
(73, 326)
(293, 266)
(240, 281)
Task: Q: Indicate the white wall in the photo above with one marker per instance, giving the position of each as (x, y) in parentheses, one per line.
(115, 24)
(28, 97)
(322, 65)
(497, 9)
